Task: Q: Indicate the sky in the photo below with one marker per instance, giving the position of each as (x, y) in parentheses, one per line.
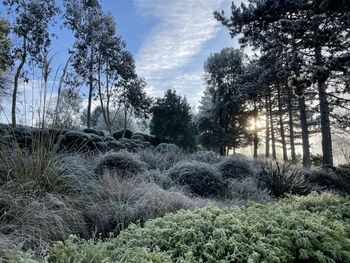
(170, 41)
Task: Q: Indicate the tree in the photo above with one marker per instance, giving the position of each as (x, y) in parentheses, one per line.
(85, 19)
(134, 99)
(94, 119)
(319, 28)
(30, 26)
(5, 56)
(172, 121)
(224, 123)
(116, 67)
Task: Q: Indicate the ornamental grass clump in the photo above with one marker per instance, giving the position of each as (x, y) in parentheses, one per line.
(279, 180)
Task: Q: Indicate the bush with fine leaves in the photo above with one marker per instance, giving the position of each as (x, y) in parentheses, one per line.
(236, 167)
(280, 180)
(200, 178)
(315, 228)
(122, 163)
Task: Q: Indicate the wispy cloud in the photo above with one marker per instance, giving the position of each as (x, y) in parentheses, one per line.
(183, 28)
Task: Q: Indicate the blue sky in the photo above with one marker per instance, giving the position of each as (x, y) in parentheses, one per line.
(170, 40)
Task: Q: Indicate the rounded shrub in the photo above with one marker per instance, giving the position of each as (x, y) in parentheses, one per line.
(167, 147)
(207, 157)
(138, 137)
(235, 167)
(122, 163)
(200, 178)
(119, 134)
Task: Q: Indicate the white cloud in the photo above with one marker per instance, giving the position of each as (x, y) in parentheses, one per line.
(182, 30)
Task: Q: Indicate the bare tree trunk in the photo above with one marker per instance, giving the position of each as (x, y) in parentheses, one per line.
(256, 136)
(267, 136)
(304, 132)
(101, 99)
(283, 137)
(273, 140)
(291, 124)
(125, 120)
(91, 88)
(15, 86)
(327, 148)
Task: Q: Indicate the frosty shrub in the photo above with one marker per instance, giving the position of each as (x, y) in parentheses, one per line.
(138, 137)
(280, 180)
(122, 163)
(334, 179)
(236, 167)
(200, 178)
(206, 157)
(299, 229)
(160, 160)
(241, 191)
(119, 134)
(167, 147)
(159, 178)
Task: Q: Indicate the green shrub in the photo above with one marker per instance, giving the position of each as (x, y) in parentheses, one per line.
(281, 180)
(298, 229)
(200, 178)
(235, 167)
(138, 137)
(119, 134)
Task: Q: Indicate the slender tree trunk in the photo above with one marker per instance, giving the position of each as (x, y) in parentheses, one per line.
(125, 120)
(304, 132)
(273, 140)
(283, 137)
(256, 136)
(16, 80)
(91, 88)
(291, 124)
(222, 150)
(267, 136)
(101, 99)
(324, 109)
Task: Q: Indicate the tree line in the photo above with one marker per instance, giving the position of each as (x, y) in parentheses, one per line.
(300, 80)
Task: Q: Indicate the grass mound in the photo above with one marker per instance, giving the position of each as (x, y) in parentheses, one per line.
(315, 228)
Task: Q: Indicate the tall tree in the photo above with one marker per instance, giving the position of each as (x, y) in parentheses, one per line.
(5, 55)
(133, 98)
(85, 19)
(32, 19)
(172, 121)
(320, 27)
(115, 66)
(225, 124)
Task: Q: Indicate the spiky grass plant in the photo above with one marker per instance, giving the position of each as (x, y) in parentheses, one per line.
(280, 180)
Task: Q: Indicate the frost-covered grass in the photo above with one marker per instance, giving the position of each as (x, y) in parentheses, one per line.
(315, 228)
(96, 195)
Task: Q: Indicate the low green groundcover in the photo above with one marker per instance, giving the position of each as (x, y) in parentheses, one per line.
(315, 228)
